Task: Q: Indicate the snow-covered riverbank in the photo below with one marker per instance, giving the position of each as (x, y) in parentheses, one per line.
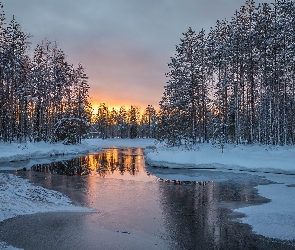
(20, 197)
(242, 157)
(19, 152)
(275, 219)
(277, 164)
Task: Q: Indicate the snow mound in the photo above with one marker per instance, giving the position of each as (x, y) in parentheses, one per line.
(20, 197)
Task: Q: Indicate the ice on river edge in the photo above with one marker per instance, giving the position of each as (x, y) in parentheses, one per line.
(19, 197)
(257, 160)
(275, 219)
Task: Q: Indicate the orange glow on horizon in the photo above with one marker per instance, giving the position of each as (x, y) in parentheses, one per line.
(116, 105)
(95, 106)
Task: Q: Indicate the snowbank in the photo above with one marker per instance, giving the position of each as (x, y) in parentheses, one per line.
(20, 197)
(19, 152)
(242, 157)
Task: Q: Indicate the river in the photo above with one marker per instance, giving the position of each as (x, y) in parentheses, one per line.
(139, 207)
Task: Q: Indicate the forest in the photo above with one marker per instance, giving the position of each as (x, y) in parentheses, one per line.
(42, 97)
(45, 98)
(236, 83)
(231, 84)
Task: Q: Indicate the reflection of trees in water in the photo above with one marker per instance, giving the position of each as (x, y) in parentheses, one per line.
(193, 216)
(104, 163)
(77, 166)
(117, 160)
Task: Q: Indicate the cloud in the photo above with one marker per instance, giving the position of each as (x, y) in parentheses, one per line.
(124, 45)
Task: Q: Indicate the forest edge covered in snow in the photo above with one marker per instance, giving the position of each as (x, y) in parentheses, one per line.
(231, 85)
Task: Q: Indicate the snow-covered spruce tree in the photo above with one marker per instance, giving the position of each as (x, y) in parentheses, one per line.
(62, 110)
(122, 121)
(15, 73)
(148, 123)
(133, 117)
(113, 123)
(286, 55)
(219, 54)
(3, 95)
(183, 108)
(75, 119)
(102, 120)
(51, 85)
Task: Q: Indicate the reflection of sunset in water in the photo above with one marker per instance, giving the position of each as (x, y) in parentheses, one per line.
(117, 162)
(190, 214)
(111, 163)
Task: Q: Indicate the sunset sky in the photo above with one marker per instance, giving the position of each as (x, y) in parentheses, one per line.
(124, 45)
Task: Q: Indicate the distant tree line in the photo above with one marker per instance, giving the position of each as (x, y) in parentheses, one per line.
(235, 84)
(124, 123)
(42, 97)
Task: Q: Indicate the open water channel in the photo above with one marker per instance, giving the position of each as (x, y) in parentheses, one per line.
(139, 207)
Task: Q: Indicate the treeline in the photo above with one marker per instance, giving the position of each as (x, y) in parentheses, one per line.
(42, 97)
(235, 84)
(124, 123)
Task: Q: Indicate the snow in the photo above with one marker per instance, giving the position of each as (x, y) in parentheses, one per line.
(5, 246)
(19, 197)
(243, 157)
(20, 152)
(275, 219)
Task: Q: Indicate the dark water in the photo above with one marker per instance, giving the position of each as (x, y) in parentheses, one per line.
(139, 207)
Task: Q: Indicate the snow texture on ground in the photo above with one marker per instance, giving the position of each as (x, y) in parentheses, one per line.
(242, 157)
(19, 197)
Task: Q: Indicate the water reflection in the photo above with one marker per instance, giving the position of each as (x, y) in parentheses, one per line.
(196, 213)
(184, 214)
(191, 214)
(109, 162)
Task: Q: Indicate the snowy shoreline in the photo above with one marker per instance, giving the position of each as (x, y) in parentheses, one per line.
(252, 158)
(11, 152)
(20, 197)
(17, 195)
